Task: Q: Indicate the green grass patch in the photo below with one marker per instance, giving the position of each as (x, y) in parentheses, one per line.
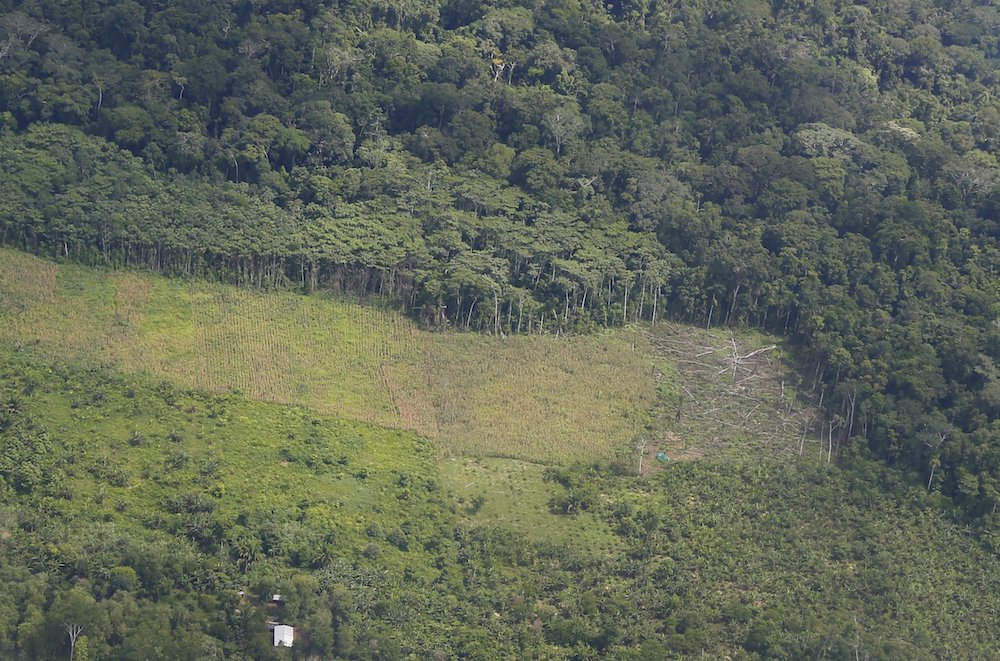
(515, 496)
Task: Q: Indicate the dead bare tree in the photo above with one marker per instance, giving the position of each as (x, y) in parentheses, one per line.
(640, 446)
(735, 392)
(73, 630)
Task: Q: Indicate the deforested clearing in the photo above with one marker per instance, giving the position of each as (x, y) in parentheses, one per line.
(538, 398)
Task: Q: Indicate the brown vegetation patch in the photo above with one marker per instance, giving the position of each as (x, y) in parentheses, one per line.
(26, 278)
(730, 390)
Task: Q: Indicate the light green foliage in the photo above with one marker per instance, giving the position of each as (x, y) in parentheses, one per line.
(514, 496)
(538, 398)
(163, 502)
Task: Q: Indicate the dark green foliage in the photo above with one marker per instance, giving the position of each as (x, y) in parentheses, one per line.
(580, 492)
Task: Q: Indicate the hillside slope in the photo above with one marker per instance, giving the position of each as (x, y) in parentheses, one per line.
(825, 171)
(539, 398)
(140, 511)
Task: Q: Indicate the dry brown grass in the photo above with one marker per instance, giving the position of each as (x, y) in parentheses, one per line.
(241, 343)
(131, 295)
(40, 305)
(23, 277)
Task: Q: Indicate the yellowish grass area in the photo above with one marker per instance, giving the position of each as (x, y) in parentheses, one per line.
(38, 304)
(533, 398)
(24, 277)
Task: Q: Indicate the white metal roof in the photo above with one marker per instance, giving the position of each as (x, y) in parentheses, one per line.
(283, 635)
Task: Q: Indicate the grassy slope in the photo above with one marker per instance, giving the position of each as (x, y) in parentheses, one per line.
(515, 498)
(539, 399)
(135, 446)
(526, 399)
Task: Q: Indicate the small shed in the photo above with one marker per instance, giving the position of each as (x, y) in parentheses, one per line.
(284, 635)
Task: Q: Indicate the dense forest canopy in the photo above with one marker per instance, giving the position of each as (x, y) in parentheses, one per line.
(824, 169)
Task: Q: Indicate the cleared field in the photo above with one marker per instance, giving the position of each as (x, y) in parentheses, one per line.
(677, 389)
(535, 397)
(725, 392)
(540, 399)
